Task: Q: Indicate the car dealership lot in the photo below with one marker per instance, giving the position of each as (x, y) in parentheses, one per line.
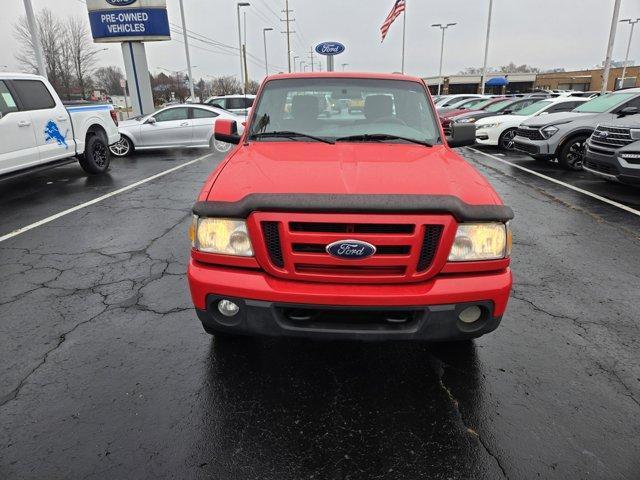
(106, 373)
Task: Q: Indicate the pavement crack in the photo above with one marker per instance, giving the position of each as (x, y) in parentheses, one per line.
(540, 309)
(439, 368)
(61, 339)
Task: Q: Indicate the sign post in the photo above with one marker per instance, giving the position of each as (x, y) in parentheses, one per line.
(330, 49)
(131, 22)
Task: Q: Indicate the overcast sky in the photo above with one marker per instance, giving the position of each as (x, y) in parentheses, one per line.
(543, 33)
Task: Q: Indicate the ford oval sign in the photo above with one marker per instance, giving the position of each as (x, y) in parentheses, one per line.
(350, 249)
(120, 3)
(330, 48)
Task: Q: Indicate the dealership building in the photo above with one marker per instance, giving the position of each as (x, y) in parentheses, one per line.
(499, 83)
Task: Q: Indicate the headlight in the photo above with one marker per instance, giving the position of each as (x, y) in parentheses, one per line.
(481, 241)
(221, 235)
(465, 120)
(489, 125)
(548, 132)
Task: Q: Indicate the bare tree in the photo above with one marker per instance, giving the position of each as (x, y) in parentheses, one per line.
(108, 79)
(49, 29)
(253, 86)
(226, 86)
(68, 52)
(82, 52)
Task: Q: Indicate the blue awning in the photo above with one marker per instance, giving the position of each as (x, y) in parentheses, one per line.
(497, 82)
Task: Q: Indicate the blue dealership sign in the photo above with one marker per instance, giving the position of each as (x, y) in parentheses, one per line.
(129, 24)
(330, 48)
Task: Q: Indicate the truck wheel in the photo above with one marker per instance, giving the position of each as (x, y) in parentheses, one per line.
(505, 142)
(96, 156)
(122, 147)
(572, 153)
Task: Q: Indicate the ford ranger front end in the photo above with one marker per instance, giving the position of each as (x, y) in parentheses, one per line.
(364, 226)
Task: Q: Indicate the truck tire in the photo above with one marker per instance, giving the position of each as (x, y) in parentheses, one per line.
(122, 147)
(505, 142)
(572, 152)
(96, 156)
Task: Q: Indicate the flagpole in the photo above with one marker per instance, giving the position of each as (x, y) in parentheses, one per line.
(404, 30)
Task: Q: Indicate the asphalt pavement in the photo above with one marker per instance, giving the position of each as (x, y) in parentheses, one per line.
(105, 371)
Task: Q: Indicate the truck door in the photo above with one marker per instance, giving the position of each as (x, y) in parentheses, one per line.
(51, 121)
(18, 148)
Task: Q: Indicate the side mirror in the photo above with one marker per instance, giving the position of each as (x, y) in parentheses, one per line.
(628, 111)
(462, 135)
(151, 121)
(226, 131)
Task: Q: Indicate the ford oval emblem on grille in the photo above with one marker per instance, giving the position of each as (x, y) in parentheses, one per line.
(350, 249)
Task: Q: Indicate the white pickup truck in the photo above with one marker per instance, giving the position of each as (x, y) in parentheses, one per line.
(37, 131)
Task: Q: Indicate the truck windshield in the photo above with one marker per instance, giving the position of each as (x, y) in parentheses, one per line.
(604, 103)
(347, 109)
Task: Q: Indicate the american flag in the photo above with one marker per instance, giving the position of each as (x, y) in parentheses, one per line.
(398, 8)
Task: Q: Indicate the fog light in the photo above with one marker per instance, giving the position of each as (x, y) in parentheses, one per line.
(228, 308)
(470, 314)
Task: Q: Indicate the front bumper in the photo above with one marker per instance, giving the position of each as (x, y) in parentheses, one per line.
(611, 167)
(535, 148)
(432, 305)
(487, 136)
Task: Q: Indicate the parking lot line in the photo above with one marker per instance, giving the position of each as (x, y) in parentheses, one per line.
(567, 185)
(99, 199)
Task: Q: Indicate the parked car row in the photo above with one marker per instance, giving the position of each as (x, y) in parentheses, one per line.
(581, 130)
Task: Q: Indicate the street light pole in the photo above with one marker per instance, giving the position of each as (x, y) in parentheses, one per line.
(264, 37)
(186, 51)
(626, 57)
(344, 65)
(242, 80)
(486, 50)
(294, 62)
(443, 28)
(612, 38)
(35, 38)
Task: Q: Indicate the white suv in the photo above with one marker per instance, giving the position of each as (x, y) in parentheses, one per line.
(238, 104)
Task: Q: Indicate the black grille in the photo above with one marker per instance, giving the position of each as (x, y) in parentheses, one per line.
(432, 234)
(271, 233)
(612, 137)
(350, 227)
(532, 134)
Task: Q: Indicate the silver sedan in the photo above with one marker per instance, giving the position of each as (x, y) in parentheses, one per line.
(176, 126)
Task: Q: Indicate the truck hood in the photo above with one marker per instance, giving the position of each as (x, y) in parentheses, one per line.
(349, 168)
(555, 118)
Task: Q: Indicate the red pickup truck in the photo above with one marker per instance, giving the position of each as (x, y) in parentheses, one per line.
(355, 226)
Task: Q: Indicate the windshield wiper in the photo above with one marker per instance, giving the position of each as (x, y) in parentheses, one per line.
(289, 134)
(380, 137)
